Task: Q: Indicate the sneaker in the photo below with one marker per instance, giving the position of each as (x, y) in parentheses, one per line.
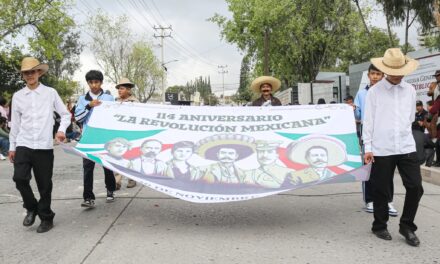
(2, 157)
(89, 203)
(369, 207)
(110, 196)
(391, 210)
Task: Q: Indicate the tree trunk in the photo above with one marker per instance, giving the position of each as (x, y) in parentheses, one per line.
(390, 33)
(407, 25)
(362, 17)
(266, 51)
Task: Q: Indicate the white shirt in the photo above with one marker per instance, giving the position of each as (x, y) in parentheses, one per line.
(389, 113)
(32, 117)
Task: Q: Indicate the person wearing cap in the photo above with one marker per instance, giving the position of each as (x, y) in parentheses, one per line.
(389, 143)
(31, 141)
(124, 91)
(434, 87)
(83, 110)
(266, 86)
(269, 174)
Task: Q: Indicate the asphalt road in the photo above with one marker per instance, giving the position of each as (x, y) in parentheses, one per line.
(323, 224)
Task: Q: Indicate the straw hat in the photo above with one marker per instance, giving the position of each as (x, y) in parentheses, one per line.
(395, 63)
(208, 147)
(336, 149)
(125, 82)
(274, 82)
(30, 63)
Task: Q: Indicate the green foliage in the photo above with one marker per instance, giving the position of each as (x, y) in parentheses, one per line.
(120, 54)
(64, 87)
(200, 84)
(48, 20)
(303, 35)
(10, 78)
(407, 11)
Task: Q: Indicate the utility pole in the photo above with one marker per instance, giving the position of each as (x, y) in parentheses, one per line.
(222, 71)
(162, 36)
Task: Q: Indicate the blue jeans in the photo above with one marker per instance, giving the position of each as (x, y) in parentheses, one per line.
(4, 146)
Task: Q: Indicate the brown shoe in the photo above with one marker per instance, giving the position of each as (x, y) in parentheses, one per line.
(131, 183)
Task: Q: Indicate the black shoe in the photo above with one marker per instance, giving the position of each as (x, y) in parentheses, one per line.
(436, 164)
(29, 219)
(383, 234)
(45, 226)
(410, 236)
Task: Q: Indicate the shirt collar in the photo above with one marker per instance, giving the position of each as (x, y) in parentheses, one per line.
(389, 85)
(27, 90)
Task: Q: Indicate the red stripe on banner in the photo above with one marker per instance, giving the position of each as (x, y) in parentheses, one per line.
(136, 152)
(337, 170)
(283, 157)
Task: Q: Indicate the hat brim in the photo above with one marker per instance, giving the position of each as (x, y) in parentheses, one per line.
(128, 85)
(408, 68)
(335, 148)
(274, 82)
(43, 67)
(209, 150)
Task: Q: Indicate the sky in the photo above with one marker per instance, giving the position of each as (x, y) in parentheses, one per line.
(195, 48)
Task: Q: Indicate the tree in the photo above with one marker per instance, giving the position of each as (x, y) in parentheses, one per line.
(407, 12)
(243, 93)
(47, 19)
(303, 38)
(10, 78)
(119, 54)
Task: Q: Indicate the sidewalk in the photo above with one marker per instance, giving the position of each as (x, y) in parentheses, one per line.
(324, 224)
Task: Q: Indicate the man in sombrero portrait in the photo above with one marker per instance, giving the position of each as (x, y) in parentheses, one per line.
(225, 149)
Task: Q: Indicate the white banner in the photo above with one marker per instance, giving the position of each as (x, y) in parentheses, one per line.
(222, 154)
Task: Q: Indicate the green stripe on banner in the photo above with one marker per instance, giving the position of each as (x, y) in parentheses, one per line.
(90, 149)
(95, 135)
(353, 164)
(94, 158)
(350, 140)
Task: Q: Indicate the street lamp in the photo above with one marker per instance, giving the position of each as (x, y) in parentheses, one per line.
(163, 82)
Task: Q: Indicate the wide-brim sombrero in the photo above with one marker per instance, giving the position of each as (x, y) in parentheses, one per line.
(395, 63)
(336, 149)
(274, 82)
(209, 146)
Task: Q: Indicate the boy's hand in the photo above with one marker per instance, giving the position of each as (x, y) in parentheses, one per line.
(94, 103)
(60, 136)
(368, 157)
(11, 156)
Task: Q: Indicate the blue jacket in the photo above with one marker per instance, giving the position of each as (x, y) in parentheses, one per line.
(83, 109)
(359, 101)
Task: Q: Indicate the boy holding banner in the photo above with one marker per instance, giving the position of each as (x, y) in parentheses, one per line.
(83, 110)
(31, 141)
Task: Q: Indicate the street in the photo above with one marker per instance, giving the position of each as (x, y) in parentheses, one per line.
(322, 224)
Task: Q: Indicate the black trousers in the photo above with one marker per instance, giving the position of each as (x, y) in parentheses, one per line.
(382, 171)
(40, 161)
(88, 167)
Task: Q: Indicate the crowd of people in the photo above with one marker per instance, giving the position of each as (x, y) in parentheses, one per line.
(384, 111)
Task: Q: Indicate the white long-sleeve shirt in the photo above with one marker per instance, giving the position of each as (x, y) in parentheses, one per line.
(32, 117)
(389, 113)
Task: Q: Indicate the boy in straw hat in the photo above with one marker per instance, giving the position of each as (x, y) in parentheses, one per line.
(31, 141)
(388, 141)
(124, 91)
(266, 85)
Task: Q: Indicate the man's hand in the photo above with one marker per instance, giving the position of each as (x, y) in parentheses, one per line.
(11, 156)
(94, 103)
(60, 136)
(368, 157)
